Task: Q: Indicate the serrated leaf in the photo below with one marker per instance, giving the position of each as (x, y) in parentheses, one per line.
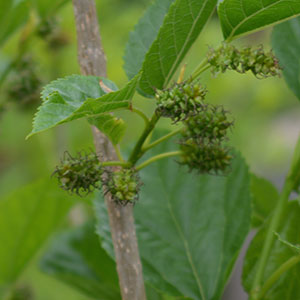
(113, 127)
(143, 36)
(76, 258)
(241, 17)
(150, 274)
(265, 196)
(13, 14)
(287, 287)
(181, 27)
(187, 236)
(77, 96)
(286, 44)
(27, 218)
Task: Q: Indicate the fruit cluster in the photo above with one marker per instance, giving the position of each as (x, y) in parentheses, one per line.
(202, 142)
(181, 101)
(84, 173)
(80, 174)
(262, 64)
(123, 185)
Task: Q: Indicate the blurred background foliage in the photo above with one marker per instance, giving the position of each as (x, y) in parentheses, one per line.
(265, 111)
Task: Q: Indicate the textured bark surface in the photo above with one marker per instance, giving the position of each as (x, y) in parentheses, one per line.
(93, 62)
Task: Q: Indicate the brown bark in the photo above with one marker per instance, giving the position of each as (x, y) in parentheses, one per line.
(93, 62)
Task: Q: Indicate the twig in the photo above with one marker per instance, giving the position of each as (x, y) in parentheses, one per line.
(93, 62)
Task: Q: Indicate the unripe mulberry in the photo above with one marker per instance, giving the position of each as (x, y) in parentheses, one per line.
(181, 101)
(211, 124)
(205, 158)
(123, 185)
(80, 174)
(262, 64)
(25, 85)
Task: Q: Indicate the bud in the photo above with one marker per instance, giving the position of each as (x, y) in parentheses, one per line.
(81, 174)
(181, 101)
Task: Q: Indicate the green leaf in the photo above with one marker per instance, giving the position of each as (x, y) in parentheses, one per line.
(27, 218)
(287, 287)
(76, 96)
(241, 17)
(76, 258)
(187, 236)
(13, 14)
(286, 44)
(182, 25)
(150, 274)
(143, 36)
(265, 195)
(113, 127)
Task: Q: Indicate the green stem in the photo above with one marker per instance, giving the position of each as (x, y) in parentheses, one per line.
(162, 139)
(118, 152)
(203, 66)
(141, 114)
(276, 275)
(282, 201)
(157, 157)
(137, 153)
(116, 163)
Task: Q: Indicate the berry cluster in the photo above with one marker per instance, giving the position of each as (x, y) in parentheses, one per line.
(79, 174)
(202, 142)
(181, 101)
(228, 57)
(123, 185)
(84, 173)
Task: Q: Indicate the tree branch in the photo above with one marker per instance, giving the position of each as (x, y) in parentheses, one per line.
(93, 62)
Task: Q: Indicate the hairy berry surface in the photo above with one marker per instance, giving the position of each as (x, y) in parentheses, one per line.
(181, 101)
(81, 174)
(123, 185)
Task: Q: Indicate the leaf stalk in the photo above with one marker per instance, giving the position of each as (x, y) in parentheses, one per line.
(276, 275)
(157, 157)
(282, 201)
(160, 140)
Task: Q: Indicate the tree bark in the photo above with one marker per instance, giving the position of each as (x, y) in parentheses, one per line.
(93, 62)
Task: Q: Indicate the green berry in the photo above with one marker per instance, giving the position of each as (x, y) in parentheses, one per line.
(180, 101)
(210, 124)
(79, 174)
(123, 186)
(24, 85)
(205, 158)
(262, 64)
